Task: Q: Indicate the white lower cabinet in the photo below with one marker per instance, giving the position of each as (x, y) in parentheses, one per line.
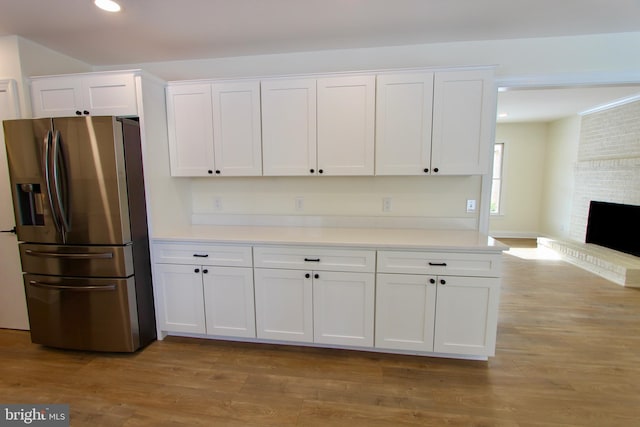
(179, 296)
(228, 301)
(204, 289)
(466, 315)
(405, 311)
(324, 307)
(284, 304)
(442, 313)
(343, 308)
(206, 299)
(319, 295)
(298, 294)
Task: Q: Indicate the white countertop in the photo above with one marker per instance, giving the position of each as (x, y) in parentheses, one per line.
(377, 238)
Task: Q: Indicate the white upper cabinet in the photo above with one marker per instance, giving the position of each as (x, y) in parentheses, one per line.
(190, 118)
(403, 124)
(97, 94)
(214, 129)
(346, 125)
(237, 140)
(434, 123)
(318, 127)
(463, 118)
(289, 127)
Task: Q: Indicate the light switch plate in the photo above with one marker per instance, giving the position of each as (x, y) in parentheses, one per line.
(471, 205)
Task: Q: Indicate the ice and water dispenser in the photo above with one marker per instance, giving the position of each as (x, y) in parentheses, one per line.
(31, 202)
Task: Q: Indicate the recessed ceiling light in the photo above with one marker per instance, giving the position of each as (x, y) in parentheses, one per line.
(108, 5)
(503, 115)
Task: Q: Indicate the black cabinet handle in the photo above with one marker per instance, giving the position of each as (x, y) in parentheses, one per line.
(205, 271)
(426, 170)
(197, 270)
(201, 255)
(78, 113)
(320, 171)
(438, 264)
(312, 259)
(435, 170)
(312, 170)
(13, 230)
(306, 276)
(85, 112)
(316, 276)
(443, 282)
(432, 281)
(217, 172)
(210, 172)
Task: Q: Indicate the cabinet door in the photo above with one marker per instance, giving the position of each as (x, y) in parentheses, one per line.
(405, 311)
(466, 315)
(110, 95)
(190, 130)
(284, 304)
(463, 120)
(403, 124)
(56, 97)
(228, 301)
(180, 302)
(236, 128)
(343, 307)
(289, 127)
(346, 125)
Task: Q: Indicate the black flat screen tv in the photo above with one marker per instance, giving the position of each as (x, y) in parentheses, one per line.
(614, 226)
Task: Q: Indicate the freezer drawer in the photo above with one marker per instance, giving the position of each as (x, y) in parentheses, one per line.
(83, 314)
(78, 261)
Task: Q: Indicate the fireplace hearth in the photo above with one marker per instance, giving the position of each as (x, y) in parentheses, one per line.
(615, 226)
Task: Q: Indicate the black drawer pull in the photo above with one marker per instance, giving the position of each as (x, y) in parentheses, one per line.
(201, 255)
(312, 259)
(438, 264)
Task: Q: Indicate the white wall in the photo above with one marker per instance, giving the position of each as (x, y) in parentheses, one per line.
(559, 183)
(427, 197)
(21, 58)
(10, 67)
(525, 146)
(615, 53)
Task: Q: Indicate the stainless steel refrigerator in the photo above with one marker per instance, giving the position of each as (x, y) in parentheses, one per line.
(79, 201)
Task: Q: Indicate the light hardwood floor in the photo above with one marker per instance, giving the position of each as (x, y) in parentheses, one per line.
(568, 354)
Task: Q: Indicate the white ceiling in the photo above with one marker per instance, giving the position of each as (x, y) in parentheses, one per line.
(548, 104)
(166, 30)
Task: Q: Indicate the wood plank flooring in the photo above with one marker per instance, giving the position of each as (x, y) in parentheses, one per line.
(568, 355)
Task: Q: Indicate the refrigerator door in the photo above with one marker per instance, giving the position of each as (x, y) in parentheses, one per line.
(26, 142)
(83, 314)
(96, 188)
(78, 261)
(68, 180)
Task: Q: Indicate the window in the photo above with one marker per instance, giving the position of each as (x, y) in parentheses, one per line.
(496, 185)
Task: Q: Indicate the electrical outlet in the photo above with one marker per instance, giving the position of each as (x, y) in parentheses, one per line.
(299, 203)
(386, 204)
(217, 203)
(471, 205)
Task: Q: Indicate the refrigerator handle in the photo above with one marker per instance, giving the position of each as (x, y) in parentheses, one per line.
(46, 165)
(58, 174)
(72, 288)
(99, 255)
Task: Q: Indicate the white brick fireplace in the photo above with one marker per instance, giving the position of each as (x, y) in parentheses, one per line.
(607, 170)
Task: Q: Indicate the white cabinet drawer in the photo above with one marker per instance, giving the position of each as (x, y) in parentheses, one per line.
(309, 258)
(461, 264)
(202, 254)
